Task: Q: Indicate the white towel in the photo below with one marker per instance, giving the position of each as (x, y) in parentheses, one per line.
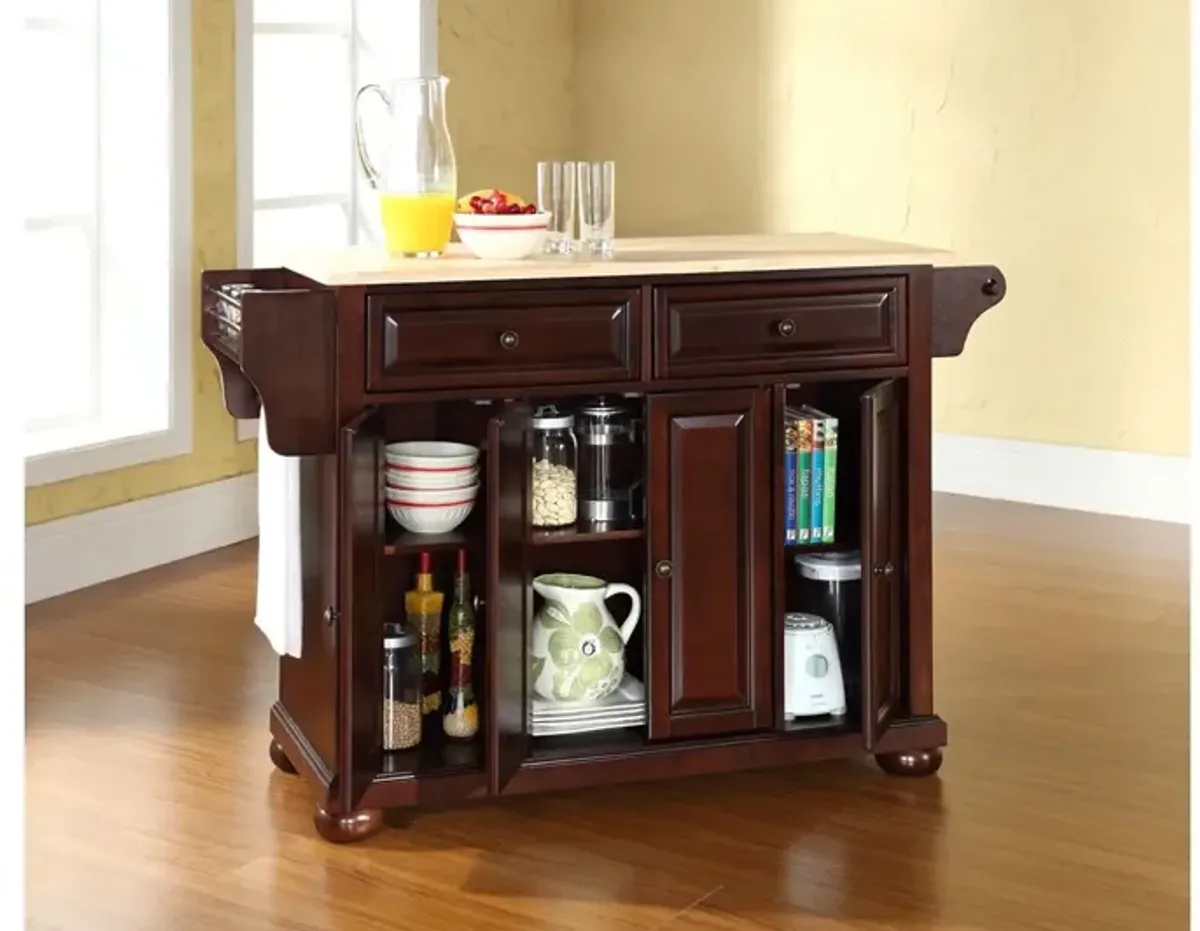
(279, 612)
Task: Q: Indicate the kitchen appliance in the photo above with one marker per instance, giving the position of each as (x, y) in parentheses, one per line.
(812, 669)
(610, 462)
(832, 589)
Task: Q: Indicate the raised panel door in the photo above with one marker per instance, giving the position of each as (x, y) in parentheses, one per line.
(710, 547)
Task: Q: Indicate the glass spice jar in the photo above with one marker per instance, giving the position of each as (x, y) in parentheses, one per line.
(555, 456)
(401, 688)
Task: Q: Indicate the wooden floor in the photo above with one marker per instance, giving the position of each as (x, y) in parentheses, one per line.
(1062, 656)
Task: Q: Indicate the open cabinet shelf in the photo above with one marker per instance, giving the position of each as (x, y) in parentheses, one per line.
(820, 726)
(860, 596)
(435, 756)
(505, 550)
(574, 747)
(585, 533)
(400, 542)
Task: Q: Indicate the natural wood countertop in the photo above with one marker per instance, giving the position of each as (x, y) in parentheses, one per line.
(690, 255)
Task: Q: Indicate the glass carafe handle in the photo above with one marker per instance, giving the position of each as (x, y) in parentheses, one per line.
(360, 142)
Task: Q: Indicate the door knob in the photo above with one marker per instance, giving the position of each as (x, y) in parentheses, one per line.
(786, 327)
(885, 570)
(663, 569)
(509, 339)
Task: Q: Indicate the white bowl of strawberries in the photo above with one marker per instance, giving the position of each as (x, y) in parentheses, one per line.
(494, 224)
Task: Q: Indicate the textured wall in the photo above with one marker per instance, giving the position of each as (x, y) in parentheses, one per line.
(216, 454)
(1047, 137)
(511, 99)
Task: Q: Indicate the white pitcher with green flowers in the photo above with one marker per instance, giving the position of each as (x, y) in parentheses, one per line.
(577, 651)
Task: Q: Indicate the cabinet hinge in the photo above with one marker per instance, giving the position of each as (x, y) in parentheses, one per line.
(331, 615)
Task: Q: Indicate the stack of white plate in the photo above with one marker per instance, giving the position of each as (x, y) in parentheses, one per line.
(626, 707)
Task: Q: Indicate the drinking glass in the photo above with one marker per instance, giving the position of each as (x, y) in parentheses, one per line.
(597, 206)
(556, 193)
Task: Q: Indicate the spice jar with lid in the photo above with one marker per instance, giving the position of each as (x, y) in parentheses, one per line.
(401, 688)
(555, 455)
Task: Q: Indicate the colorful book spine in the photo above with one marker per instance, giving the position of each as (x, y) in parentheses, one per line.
(829, 502)
(815, 516)
(790, 532)
(804, 452)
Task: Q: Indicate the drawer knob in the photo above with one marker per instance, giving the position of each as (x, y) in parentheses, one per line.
(509, 339)
(663, 569)
(786, 327)
(885, 570)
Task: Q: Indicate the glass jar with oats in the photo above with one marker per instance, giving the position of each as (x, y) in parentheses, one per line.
(555, 453)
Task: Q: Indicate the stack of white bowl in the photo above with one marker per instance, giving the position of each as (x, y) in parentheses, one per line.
(431, 484)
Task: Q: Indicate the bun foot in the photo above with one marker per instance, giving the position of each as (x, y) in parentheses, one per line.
(910, 762)
(279, 758)
(349, 828)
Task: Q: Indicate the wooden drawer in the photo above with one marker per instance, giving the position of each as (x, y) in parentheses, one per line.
(728, 329)
(459, 339)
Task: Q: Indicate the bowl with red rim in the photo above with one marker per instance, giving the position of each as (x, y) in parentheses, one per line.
(429, 457)
(422, 481)
(437, 510)
(503, 236)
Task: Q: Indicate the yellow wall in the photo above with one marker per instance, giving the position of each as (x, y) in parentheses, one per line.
(1046, 136)
(511, 100)
(216, 454)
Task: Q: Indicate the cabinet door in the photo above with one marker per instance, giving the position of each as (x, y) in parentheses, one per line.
(882, 563)
(360, 631)
(710, 546)
(508, 457)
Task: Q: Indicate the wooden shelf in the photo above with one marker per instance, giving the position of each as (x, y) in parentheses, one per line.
(844, 546)
(584, 533)
(400, 542)
(821, 726)
(436, 756)
(618, 742)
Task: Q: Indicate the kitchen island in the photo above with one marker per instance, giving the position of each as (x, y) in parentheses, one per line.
(714, 340)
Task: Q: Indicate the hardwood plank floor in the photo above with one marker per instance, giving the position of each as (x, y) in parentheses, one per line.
(1062, 657)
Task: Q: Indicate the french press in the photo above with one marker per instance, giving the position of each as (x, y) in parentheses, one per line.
(610, 462)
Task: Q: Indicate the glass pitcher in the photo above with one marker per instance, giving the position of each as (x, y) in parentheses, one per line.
(413, 169)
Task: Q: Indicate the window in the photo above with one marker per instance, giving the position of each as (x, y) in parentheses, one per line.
(299, 184)
(106, 210)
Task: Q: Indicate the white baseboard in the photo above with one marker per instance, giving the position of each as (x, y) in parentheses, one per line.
(75, 552)
(246, 430)
(1140, 485)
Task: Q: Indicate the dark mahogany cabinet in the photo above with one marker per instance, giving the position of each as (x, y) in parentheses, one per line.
(712, 362)
(710, 533)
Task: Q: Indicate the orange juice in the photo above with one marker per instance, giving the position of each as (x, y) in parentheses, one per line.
(417, 224)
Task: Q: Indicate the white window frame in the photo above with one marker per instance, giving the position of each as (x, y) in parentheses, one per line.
(176, 439)
(245, 30)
